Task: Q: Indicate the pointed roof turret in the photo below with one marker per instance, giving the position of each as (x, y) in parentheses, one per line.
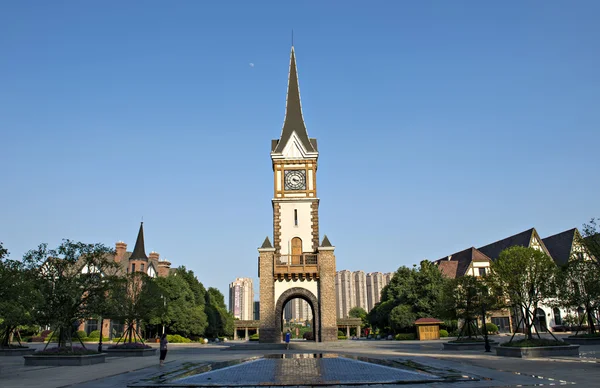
(266, 243)
(139, 252)
(294, 122)
(325, 242)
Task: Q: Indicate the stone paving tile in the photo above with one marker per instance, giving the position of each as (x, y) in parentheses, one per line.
(305, 371)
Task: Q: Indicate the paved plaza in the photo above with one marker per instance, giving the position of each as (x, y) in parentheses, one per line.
(306, 363)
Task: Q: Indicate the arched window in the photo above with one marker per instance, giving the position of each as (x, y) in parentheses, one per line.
(557, 318)
(296, 250)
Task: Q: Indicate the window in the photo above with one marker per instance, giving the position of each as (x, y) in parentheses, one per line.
(557, 318)
(133, 267)
(482, 271)
(142, 267)
(91, 325)
(295, 217)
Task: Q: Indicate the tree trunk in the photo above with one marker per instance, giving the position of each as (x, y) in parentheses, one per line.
(591, 323)
(528, 325)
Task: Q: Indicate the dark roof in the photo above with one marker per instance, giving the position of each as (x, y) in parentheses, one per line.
(448, 268)
(326, 242)
(463, 260)
(293, 122)
(422, 321)
(493, 250)
(139, 252)
(560, 245)
(267, 243)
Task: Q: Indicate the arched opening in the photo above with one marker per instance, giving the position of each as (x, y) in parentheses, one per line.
(540, 320)
(290, 296)
(298, 318)
(557, 317)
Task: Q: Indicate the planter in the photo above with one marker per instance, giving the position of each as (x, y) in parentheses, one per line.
(130, 352)
(65, 360)
(16, 352)
(540, 351)
(582, 340)
(480, 345)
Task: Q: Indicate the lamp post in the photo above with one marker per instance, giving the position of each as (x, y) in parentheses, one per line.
(484, 293)
(100, 340)
(163, 315)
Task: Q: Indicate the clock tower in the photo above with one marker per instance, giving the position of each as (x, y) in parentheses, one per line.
(295, 202)
(296, 265)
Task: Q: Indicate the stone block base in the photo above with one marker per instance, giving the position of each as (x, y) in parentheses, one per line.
(541, 351)
(467, 345)
(64, 360)
(16, 352)
(269, 336)
(130, 352)
(582, 340)
(329, 334)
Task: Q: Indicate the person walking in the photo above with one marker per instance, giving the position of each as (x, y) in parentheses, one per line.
(163, 348)
(288, 336)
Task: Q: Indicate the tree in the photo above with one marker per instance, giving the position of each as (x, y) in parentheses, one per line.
(578, 285)
(70, 278)
(220, 321)
(134, 299)
(419, 288)
(524, 276)
(402, 318)
(467, 297)
(359, 312)
(181, 313)
(591, 240)
(18, 297)
(197, 288)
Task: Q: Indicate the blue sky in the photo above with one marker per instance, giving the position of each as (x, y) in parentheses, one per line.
(441, 125)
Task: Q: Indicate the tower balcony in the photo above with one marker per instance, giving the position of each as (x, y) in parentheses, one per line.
(291, 267)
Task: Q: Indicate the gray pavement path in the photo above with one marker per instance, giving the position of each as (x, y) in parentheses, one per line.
(489, 369)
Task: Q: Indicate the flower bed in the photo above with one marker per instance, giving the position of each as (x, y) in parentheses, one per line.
(468, 344)
(131, 346)
(583, 339)
(536, 348)
(56, 356)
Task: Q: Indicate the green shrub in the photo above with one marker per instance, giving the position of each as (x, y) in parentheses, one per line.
(443, 333)
(82, 334)
(405, 336)
(525, 343)
(94, 334)
(46, 333)
(177, 339)
(341, 333)
(491, 328)
(342, 337)
(254, 337)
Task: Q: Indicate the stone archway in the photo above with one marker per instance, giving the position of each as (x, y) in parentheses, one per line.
(302, 293)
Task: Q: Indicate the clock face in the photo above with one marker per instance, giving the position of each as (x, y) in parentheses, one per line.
(295, 180)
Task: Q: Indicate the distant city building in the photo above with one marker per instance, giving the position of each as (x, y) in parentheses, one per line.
(387, 278)
(256, 310)
(241, 299)
(297, 311)
(360, 289)
(374, 287)
(344, 293)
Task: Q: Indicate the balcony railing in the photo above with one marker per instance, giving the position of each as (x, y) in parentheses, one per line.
(297, 264)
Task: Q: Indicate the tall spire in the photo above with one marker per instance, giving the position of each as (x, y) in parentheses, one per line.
(139, 252)
(294, 122)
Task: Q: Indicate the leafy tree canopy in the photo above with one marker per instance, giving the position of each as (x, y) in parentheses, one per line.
(524, 276)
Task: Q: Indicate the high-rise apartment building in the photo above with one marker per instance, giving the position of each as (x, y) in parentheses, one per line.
(297, 311)
(387, 278)
(360, 289)
(241, 299)
(344, 293)
(374, 287)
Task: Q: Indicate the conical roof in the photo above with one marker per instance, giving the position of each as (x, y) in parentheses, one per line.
(294, 122)
(267, 243)
(139, 252)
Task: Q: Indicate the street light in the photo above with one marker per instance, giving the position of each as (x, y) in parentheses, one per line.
(100, 340)
(163, 314)
(484, 293)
